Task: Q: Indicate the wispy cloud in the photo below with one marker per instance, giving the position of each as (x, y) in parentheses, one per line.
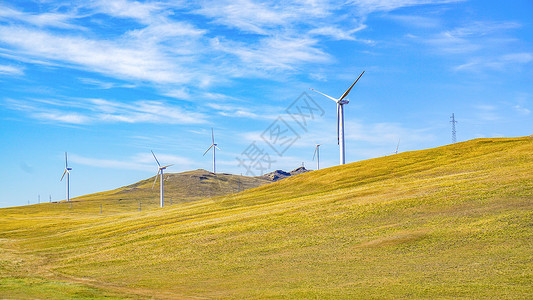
(144, 12)
(11, 70)
(370, 6)
(385, 133)
(273, 53)
(486, 112)
(522, 110)
(472, 37)
(87, 111)
(503, 62)
(138, 162)
(106, 57)
(105, 85)
(54, 19)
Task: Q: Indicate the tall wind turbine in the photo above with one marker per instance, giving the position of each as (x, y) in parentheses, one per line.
(340, 117)
(214, 146)
(317, 153)
(159, 171)
(67, 171)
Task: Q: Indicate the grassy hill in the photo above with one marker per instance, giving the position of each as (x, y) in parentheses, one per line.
(179, 187)
(450, 222)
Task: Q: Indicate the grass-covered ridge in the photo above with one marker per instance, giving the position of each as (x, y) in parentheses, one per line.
(454, 221)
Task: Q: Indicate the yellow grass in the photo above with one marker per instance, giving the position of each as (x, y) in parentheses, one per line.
(454, 221)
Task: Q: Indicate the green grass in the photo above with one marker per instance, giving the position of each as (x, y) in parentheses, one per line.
(450, 222)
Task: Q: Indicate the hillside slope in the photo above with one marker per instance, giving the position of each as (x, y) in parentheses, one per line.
(454, 221)
(179, 187)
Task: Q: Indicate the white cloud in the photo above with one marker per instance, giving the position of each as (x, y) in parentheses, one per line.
(370, 6)
(139, 162)
(385, 133)
(179, 93)
(105, 85)
(62, 117)
(143, 12)
(245, 15)
(58, 20)
(274, 53)
(337, 33)
(486, 112)
(416, 21)
(472, 37)
(106, 57)
(11, 70)
(522, 110)
(88, 111)
(502, 62)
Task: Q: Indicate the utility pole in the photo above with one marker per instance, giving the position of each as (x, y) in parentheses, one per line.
(454, 138)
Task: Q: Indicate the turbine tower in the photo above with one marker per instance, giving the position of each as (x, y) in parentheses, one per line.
(214, 146)
(454, 138)
(340, 117)
(317, 153)
(67, 171)
(159, 171)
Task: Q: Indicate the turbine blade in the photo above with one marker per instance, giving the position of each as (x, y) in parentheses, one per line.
(336, 100)
(218, 148)
(66, 162)
(212, 136)
(348, 90)
(65, 172)
(167, 166)
(156, 175)
(208, 149)
(315, 152)
(155, 158)
(397, 146)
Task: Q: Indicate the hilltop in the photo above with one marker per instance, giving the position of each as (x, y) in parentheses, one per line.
(181, 187)
(449, 222)
(280, 174)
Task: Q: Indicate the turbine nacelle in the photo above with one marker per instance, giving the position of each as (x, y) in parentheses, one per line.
(344, 101)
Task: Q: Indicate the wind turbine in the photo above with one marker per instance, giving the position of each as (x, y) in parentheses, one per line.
(340, 117)
(214, 146)
(67, 171)
(317, 153)
(397, 146)
(160, 170)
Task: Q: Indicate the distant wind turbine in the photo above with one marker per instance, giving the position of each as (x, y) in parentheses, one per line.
(214, 146)
(397, 146)
(317, 153)
(67, 171)
(340, 117)
(159, 171)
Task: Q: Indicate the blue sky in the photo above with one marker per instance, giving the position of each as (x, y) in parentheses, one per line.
(108, 81)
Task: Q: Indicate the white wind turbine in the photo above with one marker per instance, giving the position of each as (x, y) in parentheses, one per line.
(159, 171)
(397, 146)
(340, 117)
(214, 146)
(317, 153)
(67, 171)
